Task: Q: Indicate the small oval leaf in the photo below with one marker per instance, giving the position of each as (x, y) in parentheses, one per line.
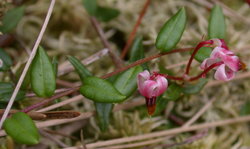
(11, 19)
(245, 109)
(100, 90)
(203, 53)
(194, 88)
(171, 32)
(106, 14)
(6, 90)
(161, 104)
(126, 82)
(217, 25)
(173, 92)
(90, 6)
(22, 129)
(79, 67)
(55, 65)
(5, 60)
(43, 81)
(136, 51)
(103, 111)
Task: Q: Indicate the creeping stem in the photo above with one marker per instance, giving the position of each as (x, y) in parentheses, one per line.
(192, 78)
(200, 45)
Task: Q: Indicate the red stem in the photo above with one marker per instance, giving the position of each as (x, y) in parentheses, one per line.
(206, 71)
(132, 34)
(201, 44)
(48, 100)
(72, 90)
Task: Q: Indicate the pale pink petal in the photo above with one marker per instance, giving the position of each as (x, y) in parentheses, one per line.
(208, 62)
(217, 52)
(141, 78)
(162, 84)
(232, 62)
(148, 89)
(217, 42)
(224, 74)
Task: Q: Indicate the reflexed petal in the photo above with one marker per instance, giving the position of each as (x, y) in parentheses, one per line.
(141, 78)
(218, 52)
(223, 74)
(162, 84)
(232, 62)
(148, 88)
(208, 62)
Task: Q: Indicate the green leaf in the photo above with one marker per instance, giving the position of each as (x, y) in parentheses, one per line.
(90, 6)
(194, 88)
(171, 32)
(217, 25)
(79, 67)
(26, 81)
(100, 90)
(137, 52)
(55, 65)
(22, 129)
(5, 60)
(43, 80)
(245, 109)
(11, 19)
(126, 82)
(106, 14)
(173, 92)
(203, 53)
(164, 70)
(6, 90)
(103, 112)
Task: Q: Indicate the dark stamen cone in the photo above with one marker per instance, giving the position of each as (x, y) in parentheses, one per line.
(242, 66)
(151, 103)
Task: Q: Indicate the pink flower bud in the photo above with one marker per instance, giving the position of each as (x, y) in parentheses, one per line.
(151, 87)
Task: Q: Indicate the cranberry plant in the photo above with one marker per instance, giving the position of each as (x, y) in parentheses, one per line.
(158, 87)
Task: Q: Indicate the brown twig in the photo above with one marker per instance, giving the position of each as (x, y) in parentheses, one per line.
(132, 34)
(116, 59)
(187, 141)
(168, 132)
(52, 138)
(48, 100)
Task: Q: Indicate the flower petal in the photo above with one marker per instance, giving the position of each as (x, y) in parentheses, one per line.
(148, 89)
(141, 78)
(162, 84)
(233, 62)
(208, 62)
(224, 74)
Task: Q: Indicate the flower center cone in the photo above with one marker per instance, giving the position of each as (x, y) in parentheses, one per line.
(151, 104)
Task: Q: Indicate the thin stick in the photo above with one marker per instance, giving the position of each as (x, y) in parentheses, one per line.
(32, 55)
(52, 138)
(66, 67)
(48, 100)
(199, 113)
(60, 104)
(170, 132)
(116, 59)
(132, 34)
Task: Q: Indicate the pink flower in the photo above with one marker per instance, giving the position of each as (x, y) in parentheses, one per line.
(230, 63)
(151, 87)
